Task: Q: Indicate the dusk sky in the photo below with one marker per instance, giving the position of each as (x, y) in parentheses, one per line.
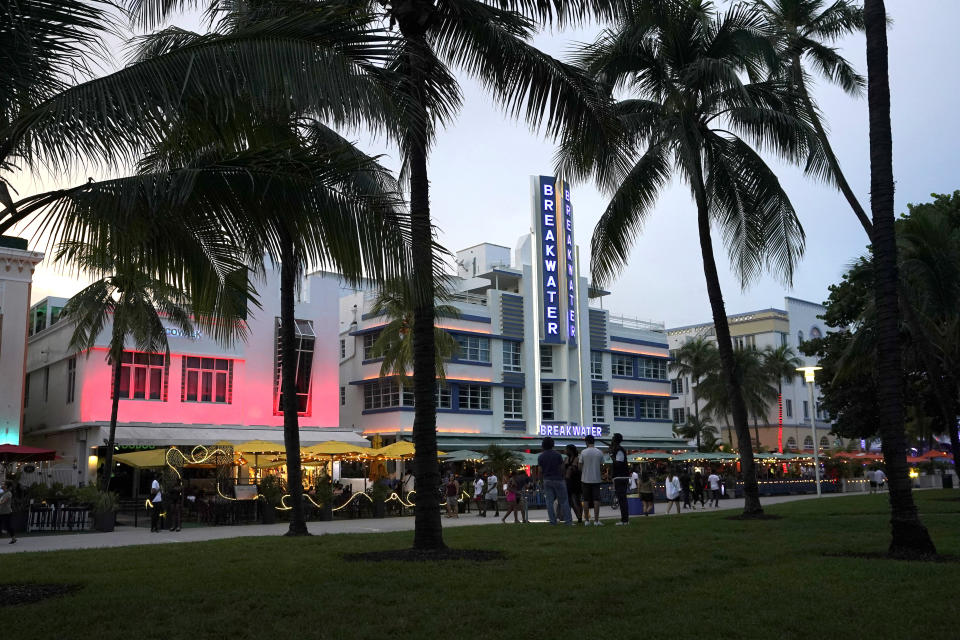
(480, 186)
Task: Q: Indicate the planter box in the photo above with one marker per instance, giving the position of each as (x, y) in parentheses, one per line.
(19, 521)
(268, 515)
(105, 521)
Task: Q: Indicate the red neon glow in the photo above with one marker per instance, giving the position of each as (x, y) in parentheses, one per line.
(658, 394)
(640, 352)
(780, 422)
(452, 327)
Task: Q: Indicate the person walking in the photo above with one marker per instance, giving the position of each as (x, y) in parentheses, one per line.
(646, 492)
(713, 480)
(572, 478)
(685, 488)
(881, 478)
(513, 499)
(493, 495)
(621, 476)
(478, 486)
(452, 490)
(6, 511)
(156, 503)
(634, 481)
(698, 490)
(591, 464)
(550, 472)
(175, 502)
(673, 491)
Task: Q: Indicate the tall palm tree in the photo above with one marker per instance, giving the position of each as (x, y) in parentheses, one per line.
(696, 112)
(780, 363)
(804, 31)
(699, 429)
(757, 390)
(695, 359)
(909, 536)
(130, 304)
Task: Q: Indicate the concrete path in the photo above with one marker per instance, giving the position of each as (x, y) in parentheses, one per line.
(128, 536)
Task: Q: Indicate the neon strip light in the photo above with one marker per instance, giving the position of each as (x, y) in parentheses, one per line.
(656, 394)
(640, 352)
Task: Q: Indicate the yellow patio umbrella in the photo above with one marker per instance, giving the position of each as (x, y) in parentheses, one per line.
(334, 448)
(396, 451)
(259, 447)
(143, 459)
(377, 468)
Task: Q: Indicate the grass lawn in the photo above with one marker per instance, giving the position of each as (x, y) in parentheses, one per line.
(691, 576)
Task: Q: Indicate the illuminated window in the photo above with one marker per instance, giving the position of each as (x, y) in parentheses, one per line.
(511, 356)
(654, 408)
(473, 348)
(474, 397)
(304, 340)
(143, 376)
(624, 407)
(546, 401)
(596, 365)
(207, 380)
(599, 411)
(652, 368)
(622, 366)
(512, 403)
(71, 379)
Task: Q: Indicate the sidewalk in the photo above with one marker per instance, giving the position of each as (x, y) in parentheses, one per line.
(126, 536)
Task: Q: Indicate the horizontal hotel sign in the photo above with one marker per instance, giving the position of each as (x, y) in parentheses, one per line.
(173, 332)
(569, 430)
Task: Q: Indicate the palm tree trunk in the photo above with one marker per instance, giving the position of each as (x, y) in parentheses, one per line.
(756, 431)
(288, 386)
(909, 536)
(828, 150)
(114, 411)
(428, 531)
(738, 407)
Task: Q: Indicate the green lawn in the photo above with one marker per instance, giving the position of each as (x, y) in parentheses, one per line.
(691, 576)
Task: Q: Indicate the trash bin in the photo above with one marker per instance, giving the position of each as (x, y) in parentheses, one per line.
(948, 481)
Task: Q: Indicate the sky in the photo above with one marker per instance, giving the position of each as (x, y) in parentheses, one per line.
(480, 187)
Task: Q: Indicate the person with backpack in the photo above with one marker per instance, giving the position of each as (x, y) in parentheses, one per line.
(621, 476)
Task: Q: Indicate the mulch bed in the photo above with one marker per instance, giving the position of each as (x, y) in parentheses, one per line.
(759, 516)
(18, 593)
(883, 556)
(417, 555)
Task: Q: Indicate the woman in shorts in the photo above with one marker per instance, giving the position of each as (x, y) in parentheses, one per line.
(513, 499)
(646, 493)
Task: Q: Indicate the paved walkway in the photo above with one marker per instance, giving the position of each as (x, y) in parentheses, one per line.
(127, 536)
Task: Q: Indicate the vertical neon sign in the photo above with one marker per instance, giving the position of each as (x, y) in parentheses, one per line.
(551, 264)
(570, 263)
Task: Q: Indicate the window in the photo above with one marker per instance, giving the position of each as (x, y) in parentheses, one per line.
(343, 348)
(622, 366)
(46, 384)
(71, 379)
(652, 368)
(512, 403)
(800, 341)
(783, 339)
(368, 340)
(304, 339)
(473, 348)
(679, 416)
(383, 394)
(788, 405)
(511, 356)
(546, 359)
(808, 442)
(444, 398)
(599, 411)
(654, 408)
(343, 396)
(676, 385)
(546, 401)
(474, 397)
(143, 375)
(806, 409)
(791, 443)
(596, 365)
(26, 391)
(624, 407)
(207, 380)
(824, 442)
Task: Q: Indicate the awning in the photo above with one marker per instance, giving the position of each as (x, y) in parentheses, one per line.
(143, 459)
(179, 434)
(20, 453)
(520, 442)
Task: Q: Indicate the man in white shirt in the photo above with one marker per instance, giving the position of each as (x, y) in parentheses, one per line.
(493, 495)
(634, 480)
(673, 491)
(156, 500)
(880, 477)
(478, 496)
(591, 462)
(713, 481)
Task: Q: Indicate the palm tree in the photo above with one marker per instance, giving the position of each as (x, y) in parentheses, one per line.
(757, 390)
(696, 359)
(395, 342)
(909, 536)
(130, 303)
(803, 31)
(696, 115)
(780, 363)
(502, 461)
(697, 428)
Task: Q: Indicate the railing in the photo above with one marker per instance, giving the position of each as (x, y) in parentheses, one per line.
(466, 298)
(636, 323)
(44, 517)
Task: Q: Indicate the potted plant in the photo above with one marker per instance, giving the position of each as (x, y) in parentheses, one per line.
(104, 505)
(271, 493)
(325, 498)
(379, 492)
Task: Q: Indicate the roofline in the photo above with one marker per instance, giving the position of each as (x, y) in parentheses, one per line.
(480, 244)
(732, 316)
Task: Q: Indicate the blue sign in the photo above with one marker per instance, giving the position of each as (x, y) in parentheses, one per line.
(550, 226)
(569, 430)
(570, 262)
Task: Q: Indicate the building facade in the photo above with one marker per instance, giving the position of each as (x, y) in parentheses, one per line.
(796, 322)
(201, 393)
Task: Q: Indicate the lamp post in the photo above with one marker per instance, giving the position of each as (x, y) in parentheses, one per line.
(808, 375)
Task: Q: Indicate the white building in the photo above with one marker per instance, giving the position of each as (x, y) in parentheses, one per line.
(792, 325)
(200, 394)
(16, 275)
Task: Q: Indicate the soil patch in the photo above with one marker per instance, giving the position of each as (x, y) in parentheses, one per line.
(759, 516)
(883, 556)
(19, 593)
(417, 555)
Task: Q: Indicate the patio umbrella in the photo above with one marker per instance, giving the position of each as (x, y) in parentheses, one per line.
(143, 459)
(463, 455)
(20, 453)
(258, 448)
(377, 467)
(335, 448)
(649, 455)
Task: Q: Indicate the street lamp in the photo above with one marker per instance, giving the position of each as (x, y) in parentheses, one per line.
(808, 375)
